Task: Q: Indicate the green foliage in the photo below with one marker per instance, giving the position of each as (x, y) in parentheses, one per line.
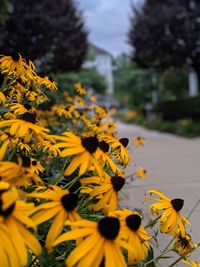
(132, 85)
(150, 258)
(89, 78)
(3, 10)
(51, 33)
(180, 109)
(173, 83)
(184, 127)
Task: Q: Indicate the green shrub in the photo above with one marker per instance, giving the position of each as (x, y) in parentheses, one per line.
(179, 109)
(89, 78)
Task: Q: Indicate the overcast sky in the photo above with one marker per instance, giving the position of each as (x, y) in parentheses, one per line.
(108, 23)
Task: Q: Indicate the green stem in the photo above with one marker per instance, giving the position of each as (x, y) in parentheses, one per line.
(153, 222)
(182, 257)
(176, 261)
(57, 179)
(70, 184)
(157, 258)
(169, 244)
(33, 261)
(193, 209)
(14, 150)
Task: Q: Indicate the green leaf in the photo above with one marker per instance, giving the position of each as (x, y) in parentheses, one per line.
(150, 257)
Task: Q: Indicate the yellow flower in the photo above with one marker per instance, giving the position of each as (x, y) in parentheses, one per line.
(79, 88)
(20, 109)
(171, 221)
(93, 99)
(61, 206)
(184, 245)
(19, 174)
(192, 263)
(141, 173)
(8, 254)
(66, 111)
(48, 146)
(118, 148)
(135, 234)
(105, 192)
(14, 215)
(105, 160)
(48, 83)
(2, 98)
(100, 244)
(3, 149)
(85, 150)
(16, 65)
(25, 126)
(138, 141)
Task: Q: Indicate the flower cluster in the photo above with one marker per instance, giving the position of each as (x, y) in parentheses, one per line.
(61, 169)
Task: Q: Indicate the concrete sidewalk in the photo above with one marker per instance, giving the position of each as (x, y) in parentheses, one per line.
(173, 165)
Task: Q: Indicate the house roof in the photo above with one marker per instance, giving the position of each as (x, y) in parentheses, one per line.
(98, 50)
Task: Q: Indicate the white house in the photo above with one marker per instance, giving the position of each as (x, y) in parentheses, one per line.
(101, 60)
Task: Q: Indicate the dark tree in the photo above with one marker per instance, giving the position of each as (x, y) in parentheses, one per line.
(51, 33)
(166, 33)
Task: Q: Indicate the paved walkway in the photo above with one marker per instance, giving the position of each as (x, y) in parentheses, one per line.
(173, 165)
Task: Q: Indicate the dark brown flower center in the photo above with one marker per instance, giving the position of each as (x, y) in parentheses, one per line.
(124, 141)
(69, 201)
(7, 211)
(133, 222)
(90, 143)
(102, 264)
(29, 117)
(104, 146)
(117, 182)
(15, 56)
(26, 161)
(50, 79)
(27, 106)
(34, 162)
(184, 242)
(109, 227)
(177, 204)
(67, 108)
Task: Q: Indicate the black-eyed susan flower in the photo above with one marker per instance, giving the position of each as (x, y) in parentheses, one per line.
(192, 263)
(78, 101)
(48, 82)
(105, 192)
(118, 148)
(135, 235)
(85, 150)
(141, 173)
(8, 254)
(20, 109)
(171, 221)
(60, 205)
(62, 110)
(2, 98)
(19, 173)
(25, 126)
(184, 245)
(79, 88)
(14, 215)
(3, 149)
(100, 244)
(138, 141)
(105, 160)
(16, 65)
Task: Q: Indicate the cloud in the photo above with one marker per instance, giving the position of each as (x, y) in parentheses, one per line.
(108, 23)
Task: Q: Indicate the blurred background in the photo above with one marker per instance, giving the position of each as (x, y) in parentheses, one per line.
(141, 57)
